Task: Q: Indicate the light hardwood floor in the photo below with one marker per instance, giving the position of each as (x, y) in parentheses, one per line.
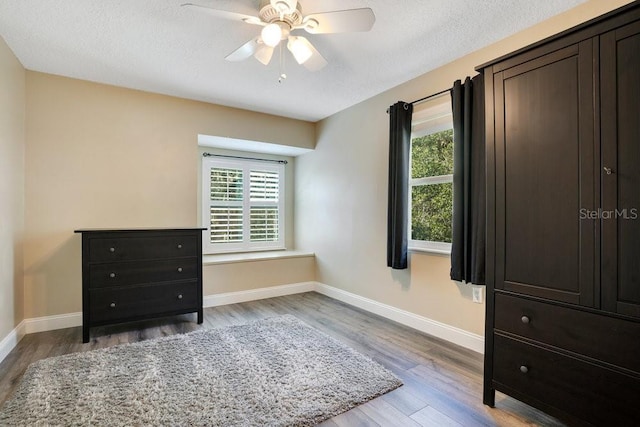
(442, 381)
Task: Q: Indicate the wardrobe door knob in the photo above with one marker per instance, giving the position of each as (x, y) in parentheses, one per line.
(180, 296)
(112, 275)
(179, 246)
(112, 305)
(112, 249)
(179, 269)
(524, 369)
(525, 319)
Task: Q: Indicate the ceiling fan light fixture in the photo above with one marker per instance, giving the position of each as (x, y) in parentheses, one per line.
(299, 49)
(271, 35)
(264, 54)
(279, 18)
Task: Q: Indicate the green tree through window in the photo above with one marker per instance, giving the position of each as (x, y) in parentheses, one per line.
(432, 187)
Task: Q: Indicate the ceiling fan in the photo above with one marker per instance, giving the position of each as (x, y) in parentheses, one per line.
(280, 18)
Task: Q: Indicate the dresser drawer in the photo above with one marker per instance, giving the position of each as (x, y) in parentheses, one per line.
(139, 248)
(599, 395)
(605, 338)
(139, 301)
(128, 273)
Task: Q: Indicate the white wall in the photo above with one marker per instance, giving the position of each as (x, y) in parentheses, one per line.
(12, 147)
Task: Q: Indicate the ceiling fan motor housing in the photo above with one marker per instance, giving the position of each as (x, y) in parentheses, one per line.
(268, 13)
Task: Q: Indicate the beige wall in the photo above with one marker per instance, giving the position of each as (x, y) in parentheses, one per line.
(12, 143)
(244, 276)
(102, 156)
(341, 193)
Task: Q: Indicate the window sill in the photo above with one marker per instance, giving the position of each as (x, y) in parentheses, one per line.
(252, 257)
(432, 251)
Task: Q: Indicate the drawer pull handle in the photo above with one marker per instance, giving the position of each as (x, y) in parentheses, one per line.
(112, 305)
(525, 319)
(524, 369)
(112, 249)
(180, 296)
(112, 275)
(179, 269)
(179, 246)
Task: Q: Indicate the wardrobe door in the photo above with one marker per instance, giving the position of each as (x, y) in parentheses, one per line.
(544, 163)
(620, 172)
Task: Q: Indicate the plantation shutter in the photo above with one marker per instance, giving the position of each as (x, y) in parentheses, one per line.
(245, 206)
(226, 219)
(264, 197)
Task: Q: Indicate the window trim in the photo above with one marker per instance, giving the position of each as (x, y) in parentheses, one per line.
(438, 126)
(246, 245)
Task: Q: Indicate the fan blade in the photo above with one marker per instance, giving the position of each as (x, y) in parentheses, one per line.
(244, 51)
(225, 14)
(314, 61)
(264, 54)
(340, 21)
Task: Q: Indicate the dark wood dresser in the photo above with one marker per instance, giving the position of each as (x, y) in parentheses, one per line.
(138, 274)
(563, 225)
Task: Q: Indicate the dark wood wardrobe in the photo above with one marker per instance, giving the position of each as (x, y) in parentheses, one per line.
(563, 230)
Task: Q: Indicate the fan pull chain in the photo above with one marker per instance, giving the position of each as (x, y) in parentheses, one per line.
(283, 75)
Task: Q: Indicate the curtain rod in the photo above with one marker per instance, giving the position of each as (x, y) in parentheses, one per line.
(284, 162)
(426, 98)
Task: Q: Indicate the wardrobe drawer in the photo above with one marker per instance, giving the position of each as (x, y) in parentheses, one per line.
(127, 273)
(140, 248)
(139, 301)
(601, 337)
(597, 394)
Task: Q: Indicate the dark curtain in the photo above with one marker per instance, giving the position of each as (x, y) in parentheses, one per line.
(399, 169)
(469, 186)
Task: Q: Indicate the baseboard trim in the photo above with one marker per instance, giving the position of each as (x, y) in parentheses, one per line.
(446, 332)
(423, 324)
(50, 323)
(257, 294)
(429, 326)
(9, 342)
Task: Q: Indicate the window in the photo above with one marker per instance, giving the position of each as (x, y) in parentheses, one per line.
(431, 179)
(242, 205)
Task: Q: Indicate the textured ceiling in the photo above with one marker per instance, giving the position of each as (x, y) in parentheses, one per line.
(157, 46)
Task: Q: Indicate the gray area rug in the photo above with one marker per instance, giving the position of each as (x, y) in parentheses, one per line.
(273, 372)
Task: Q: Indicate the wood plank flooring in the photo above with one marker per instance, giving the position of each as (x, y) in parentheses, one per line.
(442, 381)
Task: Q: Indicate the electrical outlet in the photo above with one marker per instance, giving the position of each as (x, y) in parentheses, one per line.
(478, 294)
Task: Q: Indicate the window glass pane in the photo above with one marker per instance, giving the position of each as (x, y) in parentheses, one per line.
(264, 223)
(432, 155)
(226, 224)
(226, 184)
(264, 185)
(431, 212)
